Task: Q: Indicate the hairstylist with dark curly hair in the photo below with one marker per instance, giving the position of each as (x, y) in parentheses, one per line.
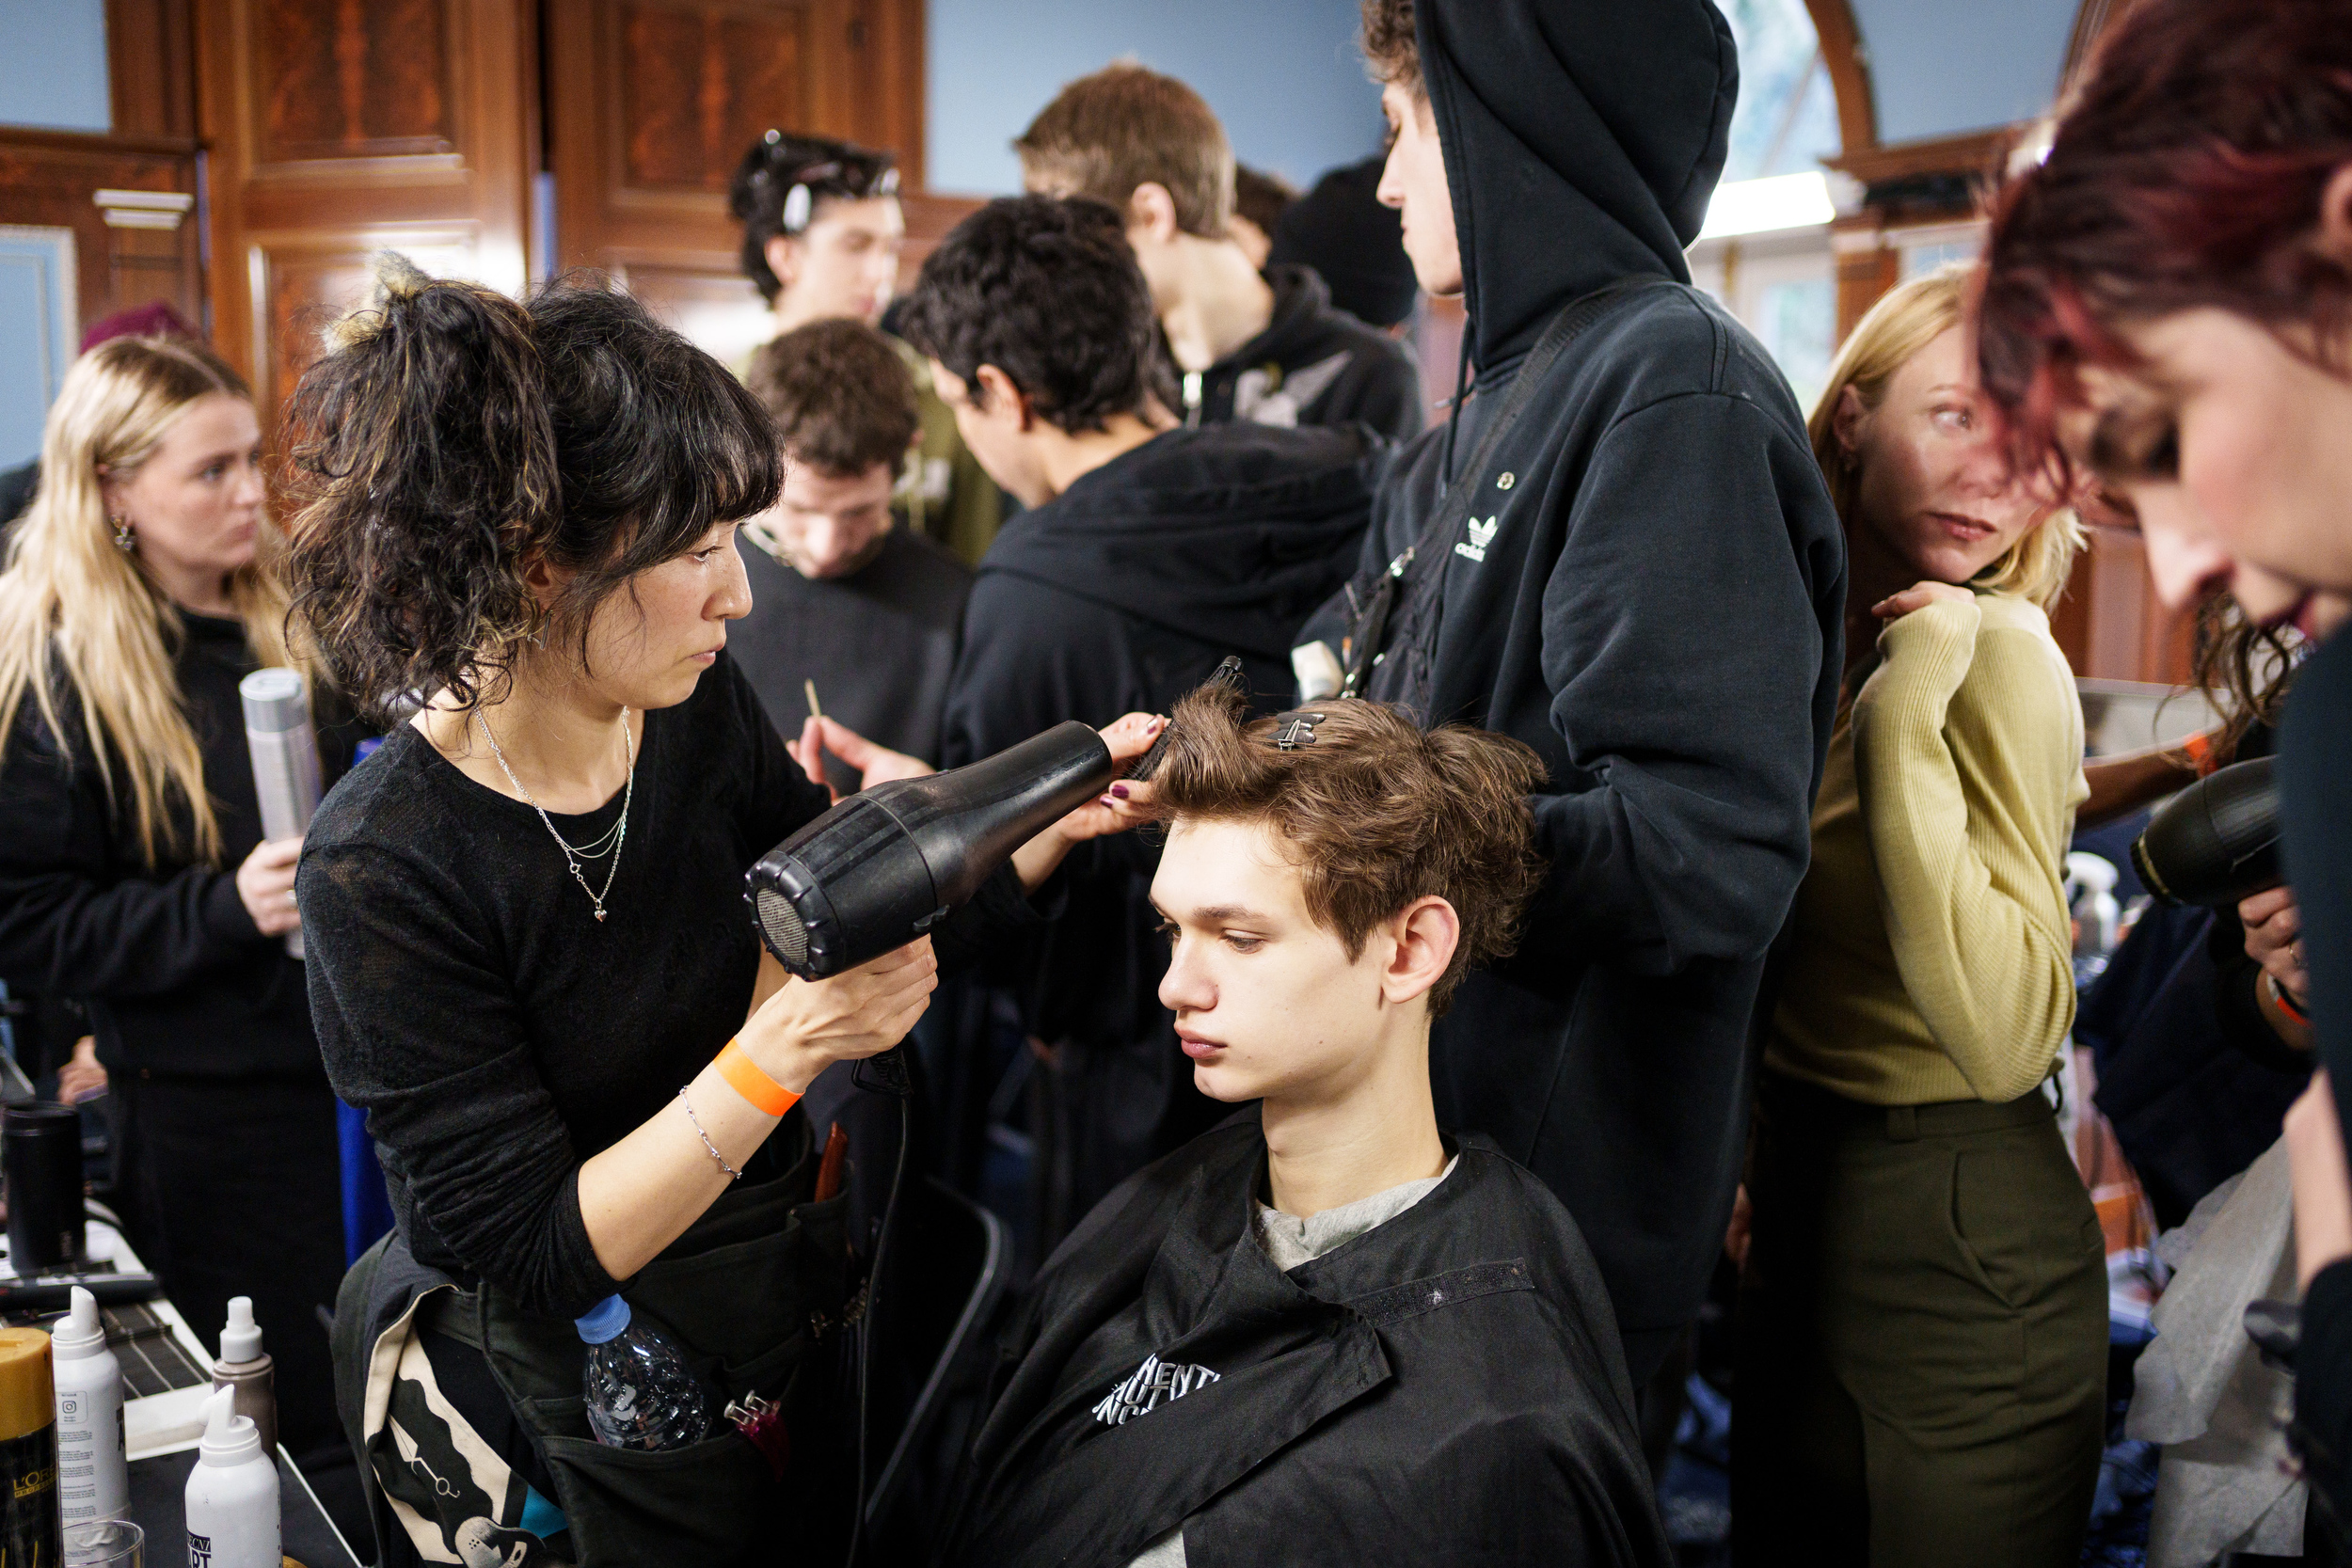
(525, 514)
(2169, 304)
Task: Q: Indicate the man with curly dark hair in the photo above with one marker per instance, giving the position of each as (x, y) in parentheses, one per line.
(1619, 551)
(1147, 554)
(1325, 1333)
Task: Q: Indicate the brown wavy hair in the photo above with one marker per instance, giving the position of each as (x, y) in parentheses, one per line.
(1375, 813)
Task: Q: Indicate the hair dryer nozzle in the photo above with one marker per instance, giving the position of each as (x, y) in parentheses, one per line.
(2216, 842)
(880, 868)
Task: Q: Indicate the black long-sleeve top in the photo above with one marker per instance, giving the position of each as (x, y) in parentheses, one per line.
(497, 1033)
(175, 978)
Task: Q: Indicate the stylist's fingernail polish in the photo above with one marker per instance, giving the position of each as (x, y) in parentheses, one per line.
(1156, 726)
(1120, 790)
(1108, 800)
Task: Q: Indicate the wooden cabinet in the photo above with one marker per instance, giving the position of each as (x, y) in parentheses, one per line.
(338, 128)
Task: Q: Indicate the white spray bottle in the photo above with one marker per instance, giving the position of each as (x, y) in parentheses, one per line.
(93, 1482)
(232, 1492)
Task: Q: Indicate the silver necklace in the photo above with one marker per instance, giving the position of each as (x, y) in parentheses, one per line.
(611, 838)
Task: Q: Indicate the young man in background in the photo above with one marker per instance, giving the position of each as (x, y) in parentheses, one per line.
(1265, 347)
(1146, 554)
(1642, 579)
(844, 601)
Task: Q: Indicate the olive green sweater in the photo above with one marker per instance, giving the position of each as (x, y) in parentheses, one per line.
(1933, 958)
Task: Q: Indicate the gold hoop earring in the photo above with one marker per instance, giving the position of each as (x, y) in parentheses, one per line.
(125, 540)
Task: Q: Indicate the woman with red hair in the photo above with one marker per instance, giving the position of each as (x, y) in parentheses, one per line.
(2167, 311)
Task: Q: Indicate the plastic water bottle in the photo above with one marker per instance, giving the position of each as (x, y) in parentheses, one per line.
(640, 1392)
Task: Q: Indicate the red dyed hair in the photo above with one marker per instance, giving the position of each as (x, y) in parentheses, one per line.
(2185, 170)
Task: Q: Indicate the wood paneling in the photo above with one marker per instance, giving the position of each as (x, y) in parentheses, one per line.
(340, 127)
(1848, 67)
(651, 104)
(151, 68)
(50, 180)
(353, 79)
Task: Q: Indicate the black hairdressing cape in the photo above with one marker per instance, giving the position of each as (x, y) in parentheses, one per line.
(1649, 591)
(1446, 1389)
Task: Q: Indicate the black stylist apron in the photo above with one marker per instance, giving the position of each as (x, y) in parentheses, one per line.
(755, 1292)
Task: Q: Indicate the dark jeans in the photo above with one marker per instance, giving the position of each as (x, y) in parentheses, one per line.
(1923, 1337)
(236, 1190)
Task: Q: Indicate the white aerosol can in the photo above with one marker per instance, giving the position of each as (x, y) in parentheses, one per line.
(93, 1482)
(233, 1493)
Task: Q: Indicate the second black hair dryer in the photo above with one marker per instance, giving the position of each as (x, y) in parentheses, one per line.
(2216, 841)
(884, 867)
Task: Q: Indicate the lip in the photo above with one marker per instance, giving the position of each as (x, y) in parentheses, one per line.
(706, 657)
(1198, 1049)
(1968, 530)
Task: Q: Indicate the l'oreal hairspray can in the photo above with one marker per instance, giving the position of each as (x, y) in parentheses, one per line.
(231, 1499)
(29, 1527)
(285, 754)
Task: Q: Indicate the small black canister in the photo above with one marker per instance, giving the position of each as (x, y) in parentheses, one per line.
(40, 1151)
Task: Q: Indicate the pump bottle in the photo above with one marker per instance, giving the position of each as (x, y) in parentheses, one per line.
(231, 1499)
(93, 1476)
(245, 1368)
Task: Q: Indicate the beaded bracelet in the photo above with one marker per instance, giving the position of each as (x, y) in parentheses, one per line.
(689, 1105)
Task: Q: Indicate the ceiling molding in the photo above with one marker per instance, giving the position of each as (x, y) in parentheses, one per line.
(1849, 65)
(1936, 178)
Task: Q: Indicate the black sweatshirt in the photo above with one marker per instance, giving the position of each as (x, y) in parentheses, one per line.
(1119, 596)
(1649, 592)
(176, 978)
(2315, 794)
(496, 1032)
(1314, 364)
(880, 644)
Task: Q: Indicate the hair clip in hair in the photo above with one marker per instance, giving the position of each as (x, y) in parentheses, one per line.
(1294, 729)
(798, 203)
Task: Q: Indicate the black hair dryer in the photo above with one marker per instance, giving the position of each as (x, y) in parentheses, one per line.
(2216, 841)
(882, 867)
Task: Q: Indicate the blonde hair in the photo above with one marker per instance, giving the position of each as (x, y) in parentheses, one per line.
(1910, 317)
(74, 606)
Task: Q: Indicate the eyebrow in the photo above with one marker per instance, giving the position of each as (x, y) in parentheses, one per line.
(1212, 913)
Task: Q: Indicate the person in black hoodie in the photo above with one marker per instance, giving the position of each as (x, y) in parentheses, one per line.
(1268, 348)
(1623, 555)
(133, 877)
(1146, 556)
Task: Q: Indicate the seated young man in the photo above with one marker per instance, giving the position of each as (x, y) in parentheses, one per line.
(1145, 556)
(865, 612)
(1324, 1332)
(1248, 345)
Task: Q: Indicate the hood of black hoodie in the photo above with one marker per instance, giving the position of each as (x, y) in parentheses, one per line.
(1299, 328)
(1582, 144)
(1233, 534)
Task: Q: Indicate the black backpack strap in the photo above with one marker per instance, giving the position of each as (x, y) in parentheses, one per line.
(1414, 573)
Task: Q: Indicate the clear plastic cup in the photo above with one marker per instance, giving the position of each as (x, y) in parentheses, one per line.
(104, 1543)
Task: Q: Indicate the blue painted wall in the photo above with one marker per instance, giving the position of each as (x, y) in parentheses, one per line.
(52, 64)
(1938, 69)
(1284, 76)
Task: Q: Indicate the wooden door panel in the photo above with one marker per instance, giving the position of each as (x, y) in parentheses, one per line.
(125, 255)
(340, 127)
(700, 85)
(653, 103)
(353, 79)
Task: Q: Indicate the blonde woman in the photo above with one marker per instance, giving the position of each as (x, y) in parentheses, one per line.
(1923, 1313)
(133, 877)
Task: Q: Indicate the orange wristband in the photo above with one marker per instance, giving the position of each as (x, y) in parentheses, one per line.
(744, 1077)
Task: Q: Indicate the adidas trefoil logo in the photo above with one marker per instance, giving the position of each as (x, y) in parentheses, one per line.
(1481, 535)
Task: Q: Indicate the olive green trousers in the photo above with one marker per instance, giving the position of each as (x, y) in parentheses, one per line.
(1923, 1338)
